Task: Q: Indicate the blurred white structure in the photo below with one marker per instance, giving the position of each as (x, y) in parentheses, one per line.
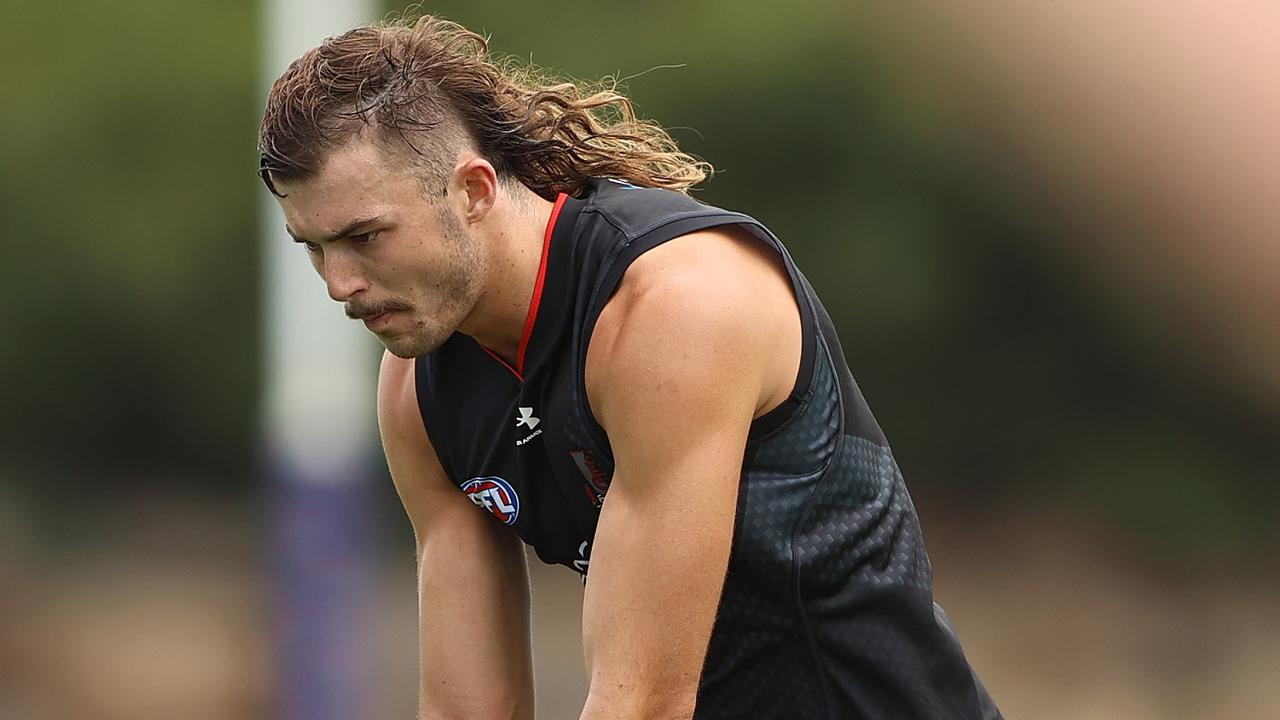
(319, 424)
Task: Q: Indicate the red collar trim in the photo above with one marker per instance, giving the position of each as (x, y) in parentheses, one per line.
(538, 284)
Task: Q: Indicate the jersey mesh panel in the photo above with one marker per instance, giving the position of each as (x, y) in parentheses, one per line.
(759, 632)
(827, 607)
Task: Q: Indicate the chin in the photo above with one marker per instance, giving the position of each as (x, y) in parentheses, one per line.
(409, 347)
(399, 352)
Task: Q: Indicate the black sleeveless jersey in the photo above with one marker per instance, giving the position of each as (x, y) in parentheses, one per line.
(827, 608)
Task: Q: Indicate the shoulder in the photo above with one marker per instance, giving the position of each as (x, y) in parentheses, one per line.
(419, 478)
(398, 413)
(701, 312)
(699, 282)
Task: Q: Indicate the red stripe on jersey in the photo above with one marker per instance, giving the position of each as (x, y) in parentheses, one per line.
(505, 364)
(537, 287)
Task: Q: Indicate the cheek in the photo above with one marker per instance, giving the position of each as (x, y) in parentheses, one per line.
(404, 266)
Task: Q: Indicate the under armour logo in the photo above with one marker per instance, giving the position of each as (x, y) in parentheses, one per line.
(526, 418)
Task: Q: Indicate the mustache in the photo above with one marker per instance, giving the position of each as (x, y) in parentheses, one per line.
(363, 311)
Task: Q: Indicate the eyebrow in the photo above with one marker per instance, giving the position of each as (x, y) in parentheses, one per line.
(349, 229)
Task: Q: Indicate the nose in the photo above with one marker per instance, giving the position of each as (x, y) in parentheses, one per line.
(342, 276)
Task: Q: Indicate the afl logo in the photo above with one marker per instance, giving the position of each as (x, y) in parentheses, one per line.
(495, 495)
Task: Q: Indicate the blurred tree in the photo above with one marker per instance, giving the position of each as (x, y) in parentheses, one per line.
(130, 331)
(130, 339)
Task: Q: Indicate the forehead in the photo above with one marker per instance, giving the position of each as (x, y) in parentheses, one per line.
(355, 180)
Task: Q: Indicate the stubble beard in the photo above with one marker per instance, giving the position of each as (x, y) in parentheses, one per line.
(456, 290)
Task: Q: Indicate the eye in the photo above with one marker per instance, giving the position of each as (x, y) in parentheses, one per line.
(311, 247)
(362, 238)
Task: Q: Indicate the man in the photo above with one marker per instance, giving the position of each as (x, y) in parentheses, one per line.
(641, 387)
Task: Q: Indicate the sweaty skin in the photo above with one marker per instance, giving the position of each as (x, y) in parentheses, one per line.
(702, 336)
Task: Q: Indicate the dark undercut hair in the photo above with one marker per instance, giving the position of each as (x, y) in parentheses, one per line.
(425, 89)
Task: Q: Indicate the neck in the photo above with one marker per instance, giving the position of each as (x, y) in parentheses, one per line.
(516, 229)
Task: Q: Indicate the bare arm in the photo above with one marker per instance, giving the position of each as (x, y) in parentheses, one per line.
(702, 336)
(473, 587)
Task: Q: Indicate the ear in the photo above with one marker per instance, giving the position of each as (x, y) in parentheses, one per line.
(476, 184)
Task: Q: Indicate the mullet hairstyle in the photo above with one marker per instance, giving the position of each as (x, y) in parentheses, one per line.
(431, 86)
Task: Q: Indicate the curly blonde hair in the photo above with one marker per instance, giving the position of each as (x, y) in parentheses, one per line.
(431, 86)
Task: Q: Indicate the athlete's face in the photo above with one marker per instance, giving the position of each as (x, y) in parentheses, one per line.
(400, 261)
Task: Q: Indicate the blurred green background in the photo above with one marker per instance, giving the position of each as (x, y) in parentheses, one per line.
(1058, 331)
